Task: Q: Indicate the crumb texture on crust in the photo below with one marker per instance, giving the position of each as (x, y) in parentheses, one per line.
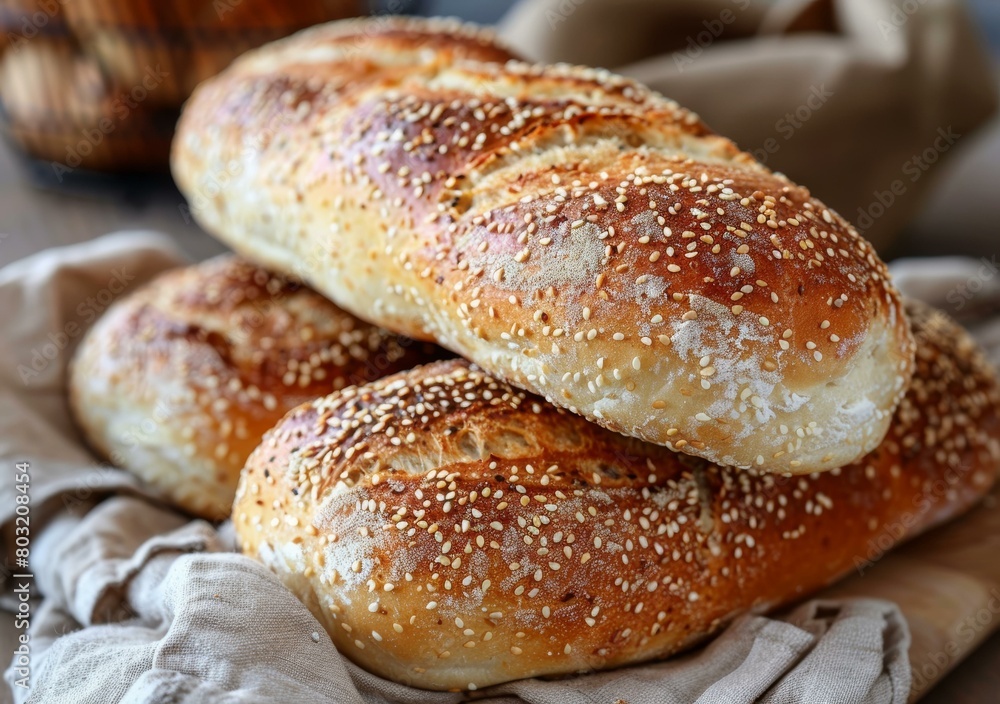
(179, 381)
(451, 531)
(568, 230)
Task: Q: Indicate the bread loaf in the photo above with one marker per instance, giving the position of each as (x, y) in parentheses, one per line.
(452, 532)
(568, 230)
(178, 381)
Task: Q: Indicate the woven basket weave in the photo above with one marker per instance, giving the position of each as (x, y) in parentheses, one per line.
(98, 84)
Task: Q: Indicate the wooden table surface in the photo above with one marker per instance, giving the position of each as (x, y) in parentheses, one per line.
(33, 218)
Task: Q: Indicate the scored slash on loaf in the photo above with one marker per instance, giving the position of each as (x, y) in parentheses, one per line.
(568, 230)
(452, 532)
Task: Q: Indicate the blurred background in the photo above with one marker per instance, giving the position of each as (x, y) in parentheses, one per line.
(886, 109)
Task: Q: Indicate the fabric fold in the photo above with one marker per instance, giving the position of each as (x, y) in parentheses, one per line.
(859, 100)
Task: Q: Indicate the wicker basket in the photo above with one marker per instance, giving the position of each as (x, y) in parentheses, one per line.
(21, 21)
(186, 41)
(98, 84)
(59, 106)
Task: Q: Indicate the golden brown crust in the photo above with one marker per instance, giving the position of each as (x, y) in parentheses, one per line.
(179, 381)
(569, 230)
(453, 532)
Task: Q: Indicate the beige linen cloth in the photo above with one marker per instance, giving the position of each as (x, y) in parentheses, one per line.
(135, 602)
(857, 99)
